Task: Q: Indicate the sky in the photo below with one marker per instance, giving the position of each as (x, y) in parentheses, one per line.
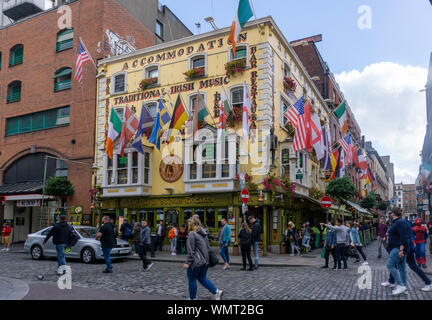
(380, 68)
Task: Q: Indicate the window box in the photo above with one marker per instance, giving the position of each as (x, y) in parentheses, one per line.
(289, 84)
(235, 66)
(148, 83)
(195, 73)
(234, 117)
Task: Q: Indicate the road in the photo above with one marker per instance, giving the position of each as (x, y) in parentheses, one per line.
(168, 281)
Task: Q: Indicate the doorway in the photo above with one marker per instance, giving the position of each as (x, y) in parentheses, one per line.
(258, 213)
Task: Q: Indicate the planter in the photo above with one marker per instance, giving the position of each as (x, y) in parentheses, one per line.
(235, 66)
(195, 73)
(147, 83)
(234, 117)
(289, 84)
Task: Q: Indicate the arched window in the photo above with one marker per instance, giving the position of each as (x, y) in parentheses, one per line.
(16, 55)
(198, 61)
(64, 39)
(237, 97)
(14, 92)
(241, 52)
(152, 108)
(152, 74)
(63, 79)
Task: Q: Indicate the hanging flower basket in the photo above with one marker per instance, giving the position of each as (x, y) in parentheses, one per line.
(289, 84)
(315, 193)
(195, 73)
(146, 83)
(235, 66)
(234, 116)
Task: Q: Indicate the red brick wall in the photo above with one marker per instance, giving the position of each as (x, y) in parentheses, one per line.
(38, 35)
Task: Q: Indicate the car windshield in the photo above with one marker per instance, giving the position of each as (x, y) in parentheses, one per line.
(87, 232)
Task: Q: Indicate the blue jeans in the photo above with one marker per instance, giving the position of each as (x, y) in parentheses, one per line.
(137, 247)
(411, 261)
(397, 268)
(255, 247)
(200, 274)
(173, 245)
(224, 253)
(61, 258)
(305, 241)
(341, 255)
(107, 256)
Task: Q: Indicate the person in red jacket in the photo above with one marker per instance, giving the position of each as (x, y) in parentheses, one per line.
(6, 236)
(420, 238)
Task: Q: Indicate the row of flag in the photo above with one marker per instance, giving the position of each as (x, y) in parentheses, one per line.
(126, 128)
(309, 134)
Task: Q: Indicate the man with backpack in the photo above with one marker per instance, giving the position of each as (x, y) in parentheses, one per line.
(106, 235)
(126, 230)
(63, 237)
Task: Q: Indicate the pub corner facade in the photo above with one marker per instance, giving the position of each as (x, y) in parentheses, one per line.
(170, 184)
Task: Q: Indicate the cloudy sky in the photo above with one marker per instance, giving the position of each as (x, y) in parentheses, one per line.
(380, 69)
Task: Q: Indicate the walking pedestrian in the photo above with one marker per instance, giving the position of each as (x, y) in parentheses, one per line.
(160, 234)
(107, 238)
(382, 236)
(181, 238)
(293, 238)
(316, 237)
(126, 230)
(145, 243)
(305, 236)
(245, 237)
(354, 241)
(172, 235)
(6, 231)
(136, 238)
(255, 237)
(198, 259)
(330, 247)
(224, 242)
(412, 264)
(341, 243)
(398, 246)
(60, 233)
(420, 238)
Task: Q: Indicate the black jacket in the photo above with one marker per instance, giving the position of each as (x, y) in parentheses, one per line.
(60, 233)
(245, 238)
(256, 231)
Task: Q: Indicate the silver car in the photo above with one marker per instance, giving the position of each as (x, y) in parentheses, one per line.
(87, 248)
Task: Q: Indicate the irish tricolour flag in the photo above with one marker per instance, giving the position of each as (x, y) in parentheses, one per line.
(114, 130)
(341, 114)
(243, 14)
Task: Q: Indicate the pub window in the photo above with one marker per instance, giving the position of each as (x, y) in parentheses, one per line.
(133, 169)
(14, 92)
(64, 39)
(225, 161)
(110, 172)
(210, 219)
(63, 79)
(159, 216)
(198, 61)
(147, 168)
(152, 108)
(122, 164)
(241, 52)
(209, 161)
(237, 97)
(152, 72)
(16, 55)
(119, 83)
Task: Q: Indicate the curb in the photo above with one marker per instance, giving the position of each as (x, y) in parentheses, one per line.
(21, 289)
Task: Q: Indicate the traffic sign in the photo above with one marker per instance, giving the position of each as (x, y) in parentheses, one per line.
(245, 196)
(326, 202)
(430, 187)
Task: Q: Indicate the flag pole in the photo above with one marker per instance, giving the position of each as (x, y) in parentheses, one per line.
(85, 48)
(253, 10)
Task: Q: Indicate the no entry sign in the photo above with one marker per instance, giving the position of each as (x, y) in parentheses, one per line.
(430, 187)
(245, 196)
(326, 202)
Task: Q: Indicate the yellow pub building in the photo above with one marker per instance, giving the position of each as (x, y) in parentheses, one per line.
(170, 184)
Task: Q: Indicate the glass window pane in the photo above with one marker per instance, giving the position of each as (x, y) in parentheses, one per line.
(12, 126)
(210, 220)
(50, 118)
(119, 84)
(147, 160)
(153, 73)
(134, 175)
(222, 213)
(200, 213)
(198, 62)
(122, 162)
(122, 176)
(25, 124)
(159, 29)
(240, 53)
(187, 215)
(193, 171)
(134, 159)
(151, 217)
(152, 109)
(146, 176)
(37, 121)
(237, 97)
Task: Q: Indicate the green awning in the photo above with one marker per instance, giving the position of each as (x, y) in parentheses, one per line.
(63, 73)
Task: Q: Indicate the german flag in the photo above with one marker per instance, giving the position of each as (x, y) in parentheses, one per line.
(179, 118)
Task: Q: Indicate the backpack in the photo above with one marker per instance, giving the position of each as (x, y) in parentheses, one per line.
(73, 237)
(171, 234)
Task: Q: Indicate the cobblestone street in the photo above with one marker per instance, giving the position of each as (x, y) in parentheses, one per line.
(167, 279)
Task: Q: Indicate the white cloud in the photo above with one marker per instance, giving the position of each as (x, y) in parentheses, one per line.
(391, 111)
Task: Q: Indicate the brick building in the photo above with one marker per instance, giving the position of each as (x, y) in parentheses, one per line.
(409, 200)
(47, 117)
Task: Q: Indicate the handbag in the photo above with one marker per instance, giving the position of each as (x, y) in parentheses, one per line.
(213, 259)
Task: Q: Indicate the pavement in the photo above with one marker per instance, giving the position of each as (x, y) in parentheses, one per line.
(167, 280)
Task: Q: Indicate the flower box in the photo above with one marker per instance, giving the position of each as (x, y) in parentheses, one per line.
(195, 73)
(235, 66)
(234, 116)
(146, 83)
(289, 84)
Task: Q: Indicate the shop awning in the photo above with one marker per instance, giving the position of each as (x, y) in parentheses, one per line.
(334, 209)
(357, 207)
(21, 188)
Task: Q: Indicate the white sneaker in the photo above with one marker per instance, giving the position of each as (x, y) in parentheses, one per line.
(388, 284)
(291, 254)
(7, 249)
(174, 254)
(428, 287)
(399, 290)
(219, 294)
(149, 266)
(365, 263)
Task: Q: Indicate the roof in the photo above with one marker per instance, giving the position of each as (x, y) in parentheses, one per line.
(21, 188)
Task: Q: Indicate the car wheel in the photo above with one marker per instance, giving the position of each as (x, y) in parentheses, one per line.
(88, 255)
(36, 252)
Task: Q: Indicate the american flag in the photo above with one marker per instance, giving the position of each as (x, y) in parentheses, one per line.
(82, 57)
(347, 146)
(296, 116)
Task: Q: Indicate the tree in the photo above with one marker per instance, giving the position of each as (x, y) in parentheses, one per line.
(381, 205)
(367, 203)
(59, 187)
(341, 189)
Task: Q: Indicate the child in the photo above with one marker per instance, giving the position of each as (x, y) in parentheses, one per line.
(172, 235)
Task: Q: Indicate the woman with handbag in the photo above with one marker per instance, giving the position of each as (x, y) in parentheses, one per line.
(198, 259)
(245, 236)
